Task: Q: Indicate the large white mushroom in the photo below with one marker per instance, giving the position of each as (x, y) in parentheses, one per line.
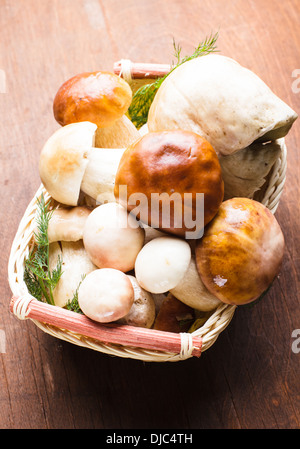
(226, 103)
(233, 109)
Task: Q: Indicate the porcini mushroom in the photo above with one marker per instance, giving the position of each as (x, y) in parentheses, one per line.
(99, 97)
(162, 263)
(69, 162)
(245, 171)
(241, 251)
(75, 265)
(112, 237)
(106, 295)
(142, 312)
(166, 264)
(173, 171)
(66, 224)
(226, 103)
(232, 108)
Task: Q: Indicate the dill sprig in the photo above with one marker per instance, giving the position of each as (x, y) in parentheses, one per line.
(144, 96)
(40, 281)
(73, 304)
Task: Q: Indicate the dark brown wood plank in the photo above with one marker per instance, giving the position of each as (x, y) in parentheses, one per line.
(249, 377)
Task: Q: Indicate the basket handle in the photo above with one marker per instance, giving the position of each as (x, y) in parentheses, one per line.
(140, 70)
(184, 344)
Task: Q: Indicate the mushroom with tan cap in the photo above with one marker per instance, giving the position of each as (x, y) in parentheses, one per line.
(241, 251)
(99, 97)
(171, 162)
(67, 223)
(112, 237)
(70, 163)
(106, 295)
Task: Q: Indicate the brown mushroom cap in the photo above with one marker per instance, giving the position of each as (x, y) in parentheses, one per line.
(241, 251)
(98, 97)
(171, 162)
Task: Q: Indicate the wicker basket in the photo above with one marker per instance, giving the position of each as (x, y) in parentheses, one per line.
(207, 333)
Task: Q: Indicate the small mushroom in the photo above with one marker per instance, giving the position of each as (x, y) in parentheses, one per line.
(162, 263)
(106, 295)
(112, 237)
(70, 162)
(75, 265)
(142, 312)
(241, 251)
(66, 224)
(99, 97)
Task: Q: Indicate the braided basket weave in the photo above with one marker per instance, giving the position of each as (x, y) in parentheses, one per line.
(208, 332)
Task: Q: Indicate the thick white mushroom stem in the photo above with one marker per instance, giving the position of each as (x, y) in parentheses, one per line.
(192, 292)
(70, 162)
(120, 134)
(99, 177)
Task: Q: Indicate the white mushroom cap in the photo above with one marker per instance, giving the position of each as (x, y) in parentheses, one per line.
(162, 263)
(66, 224)
(105, 295)
(112, 237)
(224, 102)
(63, 160)
(75, 264)
(142, 312)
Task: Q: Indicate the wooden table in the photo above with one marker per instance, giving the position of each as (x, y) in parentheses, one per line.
(250, 377)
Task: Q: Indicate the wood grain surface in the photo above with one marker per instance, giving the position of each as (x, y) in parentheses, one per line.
(249, 379)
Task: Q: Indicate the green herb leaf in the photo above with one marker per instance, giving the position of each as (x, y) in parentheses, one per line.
(40, 281)
(144, 96)
(73, 303)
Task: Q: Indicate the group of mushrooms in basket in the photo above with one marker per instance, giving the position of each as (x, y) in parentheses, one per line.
(214, 128)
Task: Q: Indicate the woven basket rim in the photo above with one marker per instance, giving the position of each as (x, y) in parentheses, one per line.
(209, 331)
